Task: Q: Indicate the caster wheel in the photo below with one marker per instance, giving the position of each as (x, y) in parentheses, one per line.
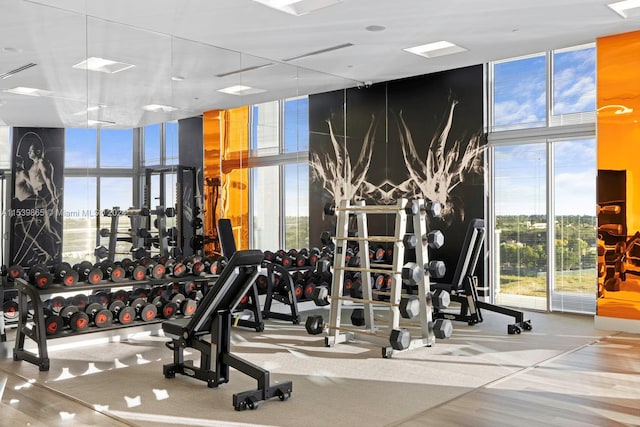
(387, 353)
(513, 329)
(260, 327)
(526, 325)
(284, 396)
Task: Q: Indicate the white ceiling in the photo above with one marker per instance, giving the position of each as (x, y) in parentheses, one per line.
(200, 40)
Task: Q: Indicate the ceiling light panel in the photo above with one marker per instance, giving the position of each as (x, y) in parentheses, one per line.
(241, 90)
(159, 108)
(103, 65)
(432, 50)
(298, 7)
(626, 8)
(30, 91)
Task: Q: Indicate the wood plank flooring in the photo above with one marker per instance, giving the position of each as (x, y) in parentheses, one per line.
(594, 385)
(563, 373)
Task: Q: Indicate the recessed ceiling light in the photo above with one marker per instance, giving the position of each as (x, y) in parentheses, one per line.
(21, 90)
(297, 7)
(626, 8)
(158, 108)
(241, 90)
(431, 50)
(177, 78)
(9, 49)
(100, 123)
(375, 28)
(90, 109)
(103, 65)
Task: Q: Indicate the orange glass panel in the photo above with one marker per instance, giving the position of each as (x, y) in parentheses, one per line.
(211, 130)
(619, 159)
(226, 136)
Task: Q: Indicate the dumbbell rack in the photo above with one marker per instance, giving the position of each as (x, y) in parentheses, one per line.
(32, 324)
(289, 298)
(371, 332)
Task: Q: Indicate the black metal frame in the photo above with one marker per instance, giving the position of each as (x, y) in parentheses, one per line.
(213, 316)
(463, 287)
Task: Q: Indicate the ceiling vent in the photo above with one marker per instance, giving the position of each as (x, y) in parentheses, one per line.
(17, 70)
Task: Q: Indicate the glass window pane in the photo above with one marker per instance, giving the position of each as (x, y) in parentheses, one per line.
(265, 190)
(79, 219)
(520, 93)
(171, 142)
(116, 148)
(123, 198)
(574, 287)
(296, 125)
(296, 205)
(266, 119)
(80, 148)
(5, 147)
(574, 81)
(170, 181)
(521, 225)
(152, 145)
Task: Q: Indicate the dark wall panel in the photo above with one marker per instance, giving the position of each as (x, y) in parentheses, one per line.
(36, 202)
(190, 155)
(420, 137)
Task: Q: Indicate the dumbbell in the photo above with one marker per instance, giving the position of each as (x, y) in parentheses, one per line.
(121, 312)
(302, 258)
(165, 309)
(436, 269)
(399, 339)
(412, 274)
(53, 323)
(442, 328)
(192, 262)
(10, 309)
(175, 268)
(262, 284)
(99, 315)
(55, 304)
(434, 238)
(74, 318)
(154, 270)
(112, 271)
(15, 271)
(314, 255)
(144, 311)
(376, 254)
(63, 273)
(186, 305)
(284, 259)
(88, 273)
(40, 277)
(433, 209)
(440, 298)
(133, 270)
(79, 300)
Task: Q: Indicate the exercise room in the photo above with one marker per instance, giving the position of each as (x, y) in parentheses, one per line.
(319, 212)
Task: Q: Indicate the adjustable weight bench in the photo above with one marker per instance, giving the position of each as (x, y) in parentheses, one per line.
(213, 317)
(463, 290)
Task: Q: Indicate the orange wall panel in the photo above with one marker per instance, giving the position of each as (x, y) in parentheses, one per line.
(618, 135)
(226, 153)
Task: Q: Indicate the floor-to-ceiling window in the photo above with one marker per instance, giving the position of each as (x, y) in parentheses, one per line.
(99, 174)
(280, 174)
(543, 160)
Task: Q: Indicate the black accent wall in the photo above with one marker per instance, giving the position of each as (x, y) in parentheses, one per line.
(36, 197)
(420, 137)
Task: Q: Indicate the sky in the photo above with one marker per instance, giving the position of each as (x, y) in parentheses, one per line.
(520, 102)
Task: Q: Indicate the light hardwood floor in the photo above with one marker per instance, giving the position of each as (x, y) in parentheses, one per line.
(563, 373)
